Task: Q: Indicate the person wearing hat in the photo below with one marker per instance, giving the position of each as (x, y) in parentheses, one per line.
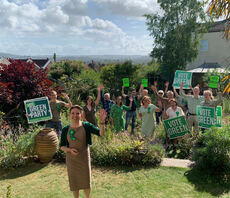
(160, 106)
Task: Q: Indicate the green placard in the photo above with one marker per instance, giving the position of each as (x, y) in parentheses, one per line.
(182, 76)
(38, 110)
(206, 117)
(125, 82)
(144, 82)
(176, 127)
(218, 116)
(214, 81)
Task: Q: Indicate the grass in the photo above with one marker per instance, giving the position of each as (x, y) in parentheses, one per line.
(40, 181)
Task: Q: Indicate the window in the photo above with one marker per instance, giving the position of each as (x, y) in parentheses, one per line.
(204, 45)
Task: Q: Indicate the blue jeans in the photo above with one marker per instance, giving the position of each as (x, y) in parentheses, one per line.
(129, 115)
(55, 125)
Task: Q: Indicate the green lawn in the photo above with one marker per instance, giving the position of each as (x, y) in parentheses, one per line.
(40, 181)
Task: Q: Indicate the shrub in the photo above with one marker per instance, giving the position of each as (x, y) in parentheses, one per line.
(15, 150)
(121, 149)
(212, 151)
(20, 81)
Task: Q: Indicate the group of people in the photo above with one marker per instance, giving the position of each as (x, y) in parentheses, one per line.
(76, 136)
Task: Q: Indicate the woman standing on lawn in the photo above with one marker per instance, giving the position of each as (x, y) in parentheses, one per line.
(117, 113)
(75, 139)
(146, 113)
(90, 108)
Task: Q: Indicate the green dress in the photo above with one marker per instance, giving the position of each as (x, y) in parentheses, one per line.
(117, 116)
(148, 121)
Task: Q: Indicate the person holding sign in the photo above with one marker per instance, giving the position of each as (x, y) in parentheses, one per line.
(210, 101)
(56, 107)
(75, 141)
(174, 111)
(131, 114)
(117, 113)
(146, 111)
(192, 101)
(90, 108)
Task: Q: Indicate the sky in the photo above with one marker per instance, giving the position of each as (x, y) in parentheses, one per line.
(75, 27)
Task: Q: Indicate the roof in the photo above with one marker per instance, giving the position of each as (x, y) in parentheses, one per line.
(205, 67)
(218, 26)
(40, 63)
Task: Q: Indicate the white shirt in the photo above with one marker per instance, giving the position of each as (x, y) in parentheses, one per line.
(173, 114)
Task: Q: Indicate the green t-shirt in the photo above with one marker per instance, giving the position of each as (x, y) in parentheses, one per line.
(56, 108)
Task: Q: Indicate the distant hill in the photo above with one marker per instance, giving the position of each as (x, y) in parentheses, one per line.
(96, 58)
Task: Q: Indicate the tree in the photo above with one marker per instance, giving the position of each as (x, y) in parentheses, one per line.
(221, 8)
(111, 76)
(176, 34)
(20, 81)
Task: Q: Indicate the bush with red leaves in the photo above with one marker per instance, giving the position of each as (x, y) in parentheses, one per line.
(20, 81)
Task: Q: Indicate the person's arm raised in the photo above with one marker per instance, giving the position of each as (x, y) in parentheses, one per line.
(122, 92)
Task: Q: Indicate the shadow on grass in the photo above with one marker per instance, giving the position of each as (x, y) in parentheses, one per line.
(21, 171)
(206, 182)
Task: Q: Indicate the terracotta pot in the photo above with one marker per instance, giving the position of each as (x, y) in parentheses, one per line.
(46, 144)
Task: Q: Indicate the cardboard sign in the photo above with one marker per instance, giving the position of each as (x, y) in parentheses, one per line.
(182, 76)
(218, 116)
(214, 81)
(176, 127)
(125, 82)
(206, 117)
(38, 110)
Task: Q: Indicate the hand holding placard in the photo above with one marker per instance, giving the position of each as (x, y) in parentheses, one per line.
(125, 82)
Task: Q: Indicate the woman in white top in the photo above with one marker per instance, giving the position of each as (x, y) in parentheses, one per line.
(174, 111)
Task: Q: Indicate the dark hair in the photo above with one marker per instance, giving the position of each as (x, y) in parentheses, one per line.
(133, 89)
(121, 100)
(92, 104)
(75, 107)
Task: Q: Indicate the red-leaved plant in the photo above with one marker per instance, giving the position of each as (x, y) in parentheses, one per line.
(20, 81)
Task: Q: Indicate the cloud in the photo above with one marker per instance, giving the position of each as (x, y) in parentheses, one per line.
(62, 26)
(130, 8)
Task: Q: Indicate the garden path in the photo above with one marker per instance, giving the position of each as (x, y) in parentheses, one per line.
(172, 162)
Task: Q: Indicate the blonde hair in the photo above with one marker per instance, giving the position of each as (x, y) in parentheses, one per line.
(210, 93)
(145, 98)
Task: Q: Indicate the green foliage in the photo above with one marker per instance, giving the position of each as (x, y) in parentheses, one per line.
(184, 148)
(176, 34)
(66, 67)
(16, 149)
(226, 105)
(111, 76)
(121, 149)
(212, 151)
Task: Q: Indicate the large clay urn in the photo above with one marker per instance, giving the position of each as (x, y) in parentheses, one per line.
(46, 144)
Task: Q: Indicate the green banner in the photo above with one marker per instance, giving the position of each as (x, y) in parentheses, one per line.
(182, 76)
(214, 81)
(218, 116)
(125, 82)
(206, 117)
(144, 82)
(176, 127)
(38, 110)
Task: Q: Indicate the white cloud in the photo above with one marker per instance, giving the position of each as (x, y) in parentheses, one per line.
(65, 19)
(130, 8)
